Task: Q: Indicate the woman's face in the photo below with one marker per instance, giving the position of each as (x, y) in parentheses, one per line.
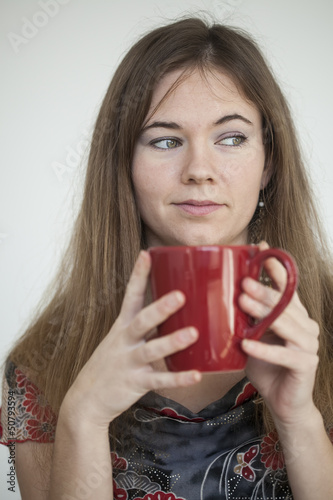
(198, 164)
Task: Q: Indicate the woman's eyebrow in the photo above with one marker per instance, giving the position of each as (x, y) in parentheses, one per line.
(175, 126)
(229, 118)
(169, 125)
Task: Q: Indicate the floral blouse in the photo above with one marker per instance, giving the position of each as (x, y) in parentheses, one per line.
(169, 453)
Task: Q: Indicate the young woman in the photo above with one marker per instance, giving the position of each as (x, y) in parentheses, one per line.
(194, 144)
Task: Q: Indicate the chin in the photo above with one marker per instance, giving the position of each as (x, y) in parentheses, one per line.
(199, 239)
(225, 241)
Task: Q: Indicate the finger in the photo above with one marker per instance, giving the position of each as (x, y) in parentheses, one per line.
(299, 332)
(267, 296)
(277, 273)
(274, 269)
(282, 356)
(160, 348)
(293, 325)
(154, 314)
(263, 298)
(263, 245)
(136, 287)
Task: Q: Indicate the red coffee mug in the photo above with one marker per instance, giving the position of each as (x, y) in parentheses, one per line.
(210, 277)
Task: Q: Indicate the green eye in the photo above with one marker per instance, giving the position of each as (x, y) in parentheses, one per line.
(235, 140)
(166, 144)
(171, 143)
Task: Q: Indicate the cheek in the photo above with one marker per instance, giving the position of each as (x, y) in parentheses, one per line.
(152, 179)
(244, 178)
(250, 170)
(241, 167)
(245, 184)
(146, 189)
(140, 176)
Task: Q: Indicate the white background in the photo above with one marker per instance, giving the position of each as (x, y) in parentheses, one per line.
(52, 82)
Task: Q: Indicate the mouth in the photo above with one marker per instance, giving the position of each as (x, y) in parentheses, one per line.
(199, 208)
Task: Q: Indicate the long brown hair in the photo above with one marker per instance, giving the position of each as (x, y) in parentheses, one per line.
(108, 235)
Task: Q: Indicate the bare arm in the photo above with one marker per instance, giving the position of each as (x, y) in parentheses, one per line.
(81, 462)
(81, 467)
(119, 373)
(32, 480)
(283, 368)
(309, 458)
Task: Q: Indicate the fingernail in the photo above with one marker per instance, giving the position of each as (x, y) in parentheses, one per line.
(188, 335)
(141, 256)
(247, 344)
(144, 258)
(252, 284)
(194, 377)
(175, 299)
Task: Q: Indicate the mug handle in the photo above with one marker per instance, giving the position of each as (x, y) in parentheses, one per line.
(256, 265)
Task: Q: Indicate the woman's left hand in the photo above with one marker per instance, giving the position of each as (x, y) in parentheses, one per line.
(282, 365)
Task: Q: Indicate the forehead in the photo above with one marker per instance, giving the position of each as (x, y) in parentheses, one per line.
(195, 91)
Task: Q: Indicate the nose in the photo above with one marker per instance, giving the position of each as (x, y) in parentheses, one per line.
(198, 167)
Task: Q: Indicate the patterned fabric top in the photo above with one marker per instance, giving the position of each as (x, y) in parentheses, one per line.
(169, 453)
(25, 413)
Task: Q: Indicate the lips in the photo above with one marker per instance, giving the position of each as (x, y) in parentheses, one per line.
(199, 207)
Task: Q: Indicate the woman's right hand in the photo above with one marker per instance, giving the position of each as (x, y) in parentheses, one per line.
(120, 371)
